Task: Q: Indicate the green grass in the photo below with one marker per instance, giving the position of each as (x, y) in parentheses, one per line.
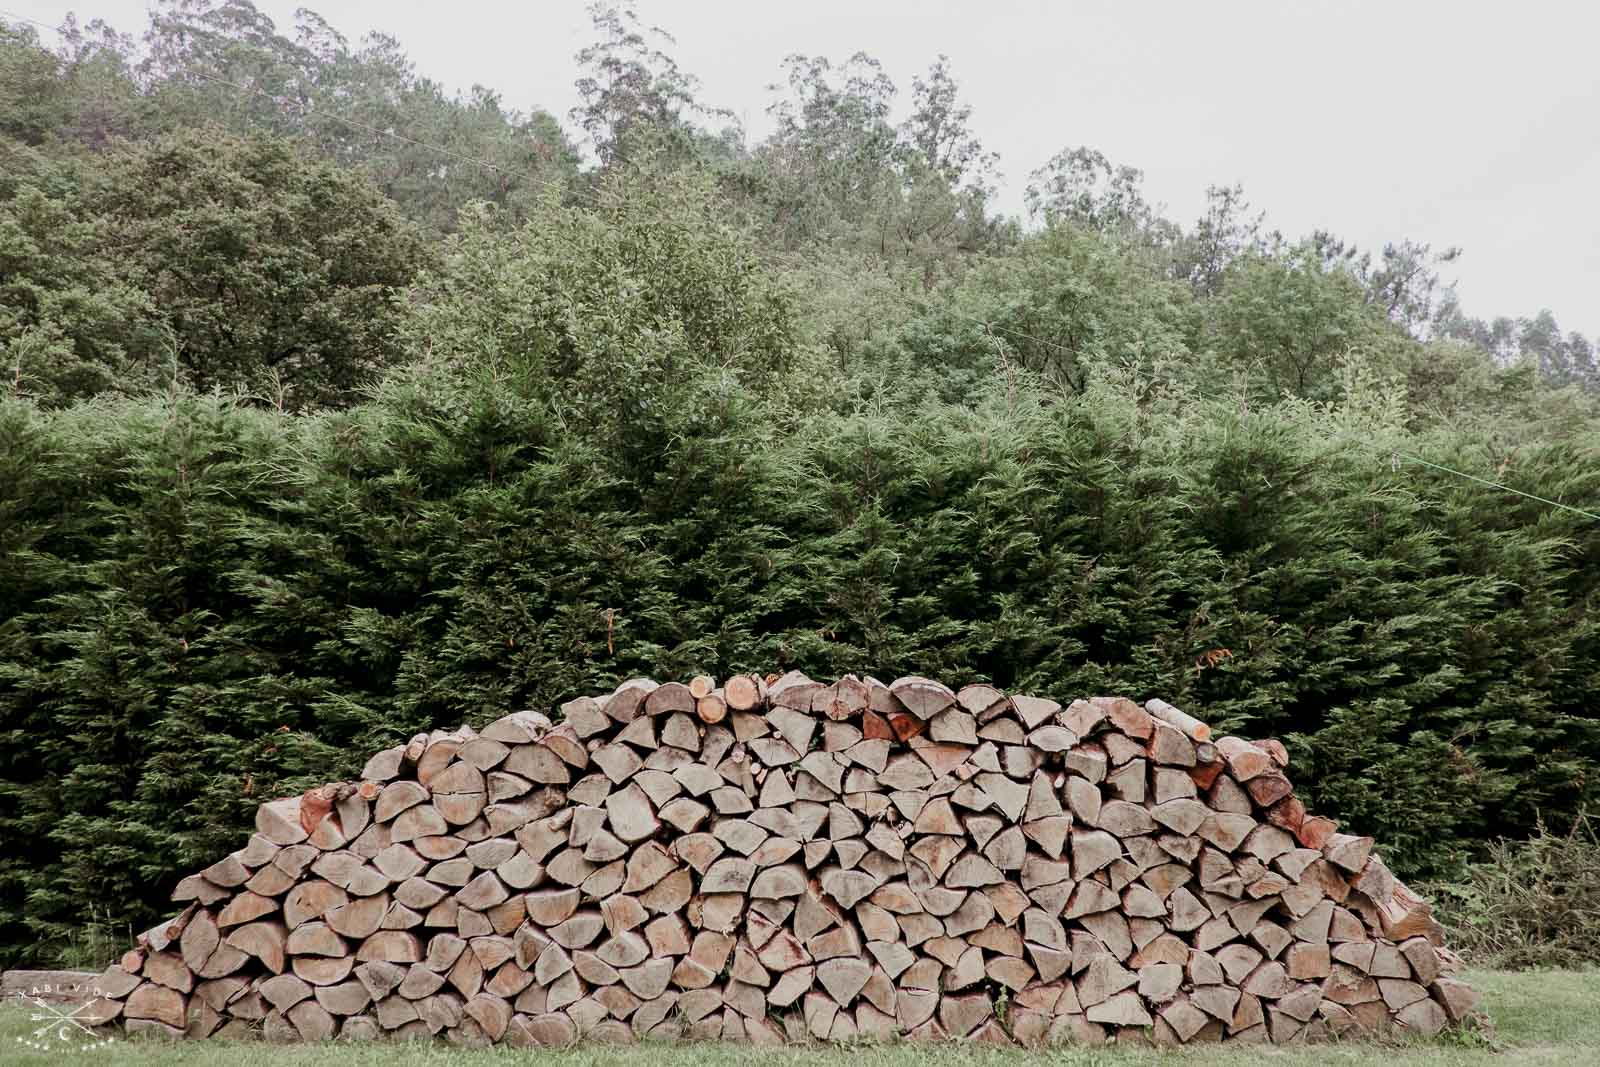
(1539, 1017)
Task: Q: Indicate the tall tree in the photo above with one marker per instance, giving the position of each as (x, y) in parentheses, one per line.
(1226, 231)
(839, 171)
(84, 92)
(1405, 284)
(1080, 185)
(451, 149)
(1560, 359)
(829, 164)
(1286, 319)
(947, 176)
(33, 104)
(239, 263)
(224, 61)
(939, 131)
(633, 96)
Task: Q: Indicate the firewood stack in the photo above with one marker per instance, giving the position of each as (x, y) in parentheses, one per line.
(780, 860)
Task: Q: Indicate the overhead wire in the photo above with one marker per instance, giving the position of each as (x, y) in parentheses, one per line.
(1408, 457)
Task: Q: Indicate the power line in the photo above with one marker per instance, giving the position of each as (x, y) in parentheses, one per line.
(1493, 485)
(910, 301)
(1395, 456)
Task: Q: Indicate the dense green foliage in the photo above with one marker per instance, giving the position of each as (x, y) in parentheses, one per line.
(311, 440)
(207, 604)
(1529, 903)
(202, 259)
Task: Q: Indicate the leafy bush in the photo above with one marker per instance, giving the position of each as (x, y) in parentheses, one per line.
(613, 317)
(203, 605)
(1530, 903)
(719, 406)
(224, 262)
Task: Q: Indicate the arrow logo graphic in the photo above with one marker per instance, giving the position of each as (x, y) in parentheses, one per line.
(62, 1025)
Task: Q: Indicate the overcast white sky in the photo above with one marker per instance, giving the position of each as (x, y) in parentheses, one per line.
(1463, 122)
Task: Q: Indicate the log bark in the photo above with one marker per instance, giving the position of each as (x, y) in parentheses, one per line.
(1188, 724)
(784, 858)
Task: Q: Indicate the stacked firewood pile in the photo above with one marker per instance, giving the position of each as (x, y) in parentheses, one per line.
(780, 860)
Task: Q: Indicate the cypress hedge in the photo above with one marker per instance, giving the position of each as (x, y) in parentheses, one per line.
(204, 604)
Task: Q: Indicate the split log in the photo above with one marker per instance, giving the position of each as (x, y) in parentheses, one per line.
(725, 868)
(793, 690)
(922, 697)
(279, 821)
(266, 940)
(1243, 759)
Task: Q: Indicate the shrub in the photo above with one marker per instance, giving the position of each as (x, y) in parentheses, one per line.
(236, 263)
(1531, 903)
(203, 604)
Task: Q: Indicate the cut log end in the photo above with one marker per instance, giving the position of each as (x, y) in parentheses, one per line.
(711, 708)
(782, 859)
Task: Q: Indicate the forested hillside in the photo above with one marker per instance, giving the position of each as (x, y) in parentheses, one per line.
(336, 406)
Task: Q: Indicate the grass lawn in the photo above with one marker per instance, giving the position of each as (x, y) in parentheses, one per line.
(1540, 1017)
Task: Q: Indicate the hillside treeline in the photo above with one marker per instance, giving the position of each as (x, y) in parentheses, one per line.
(312, 438)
